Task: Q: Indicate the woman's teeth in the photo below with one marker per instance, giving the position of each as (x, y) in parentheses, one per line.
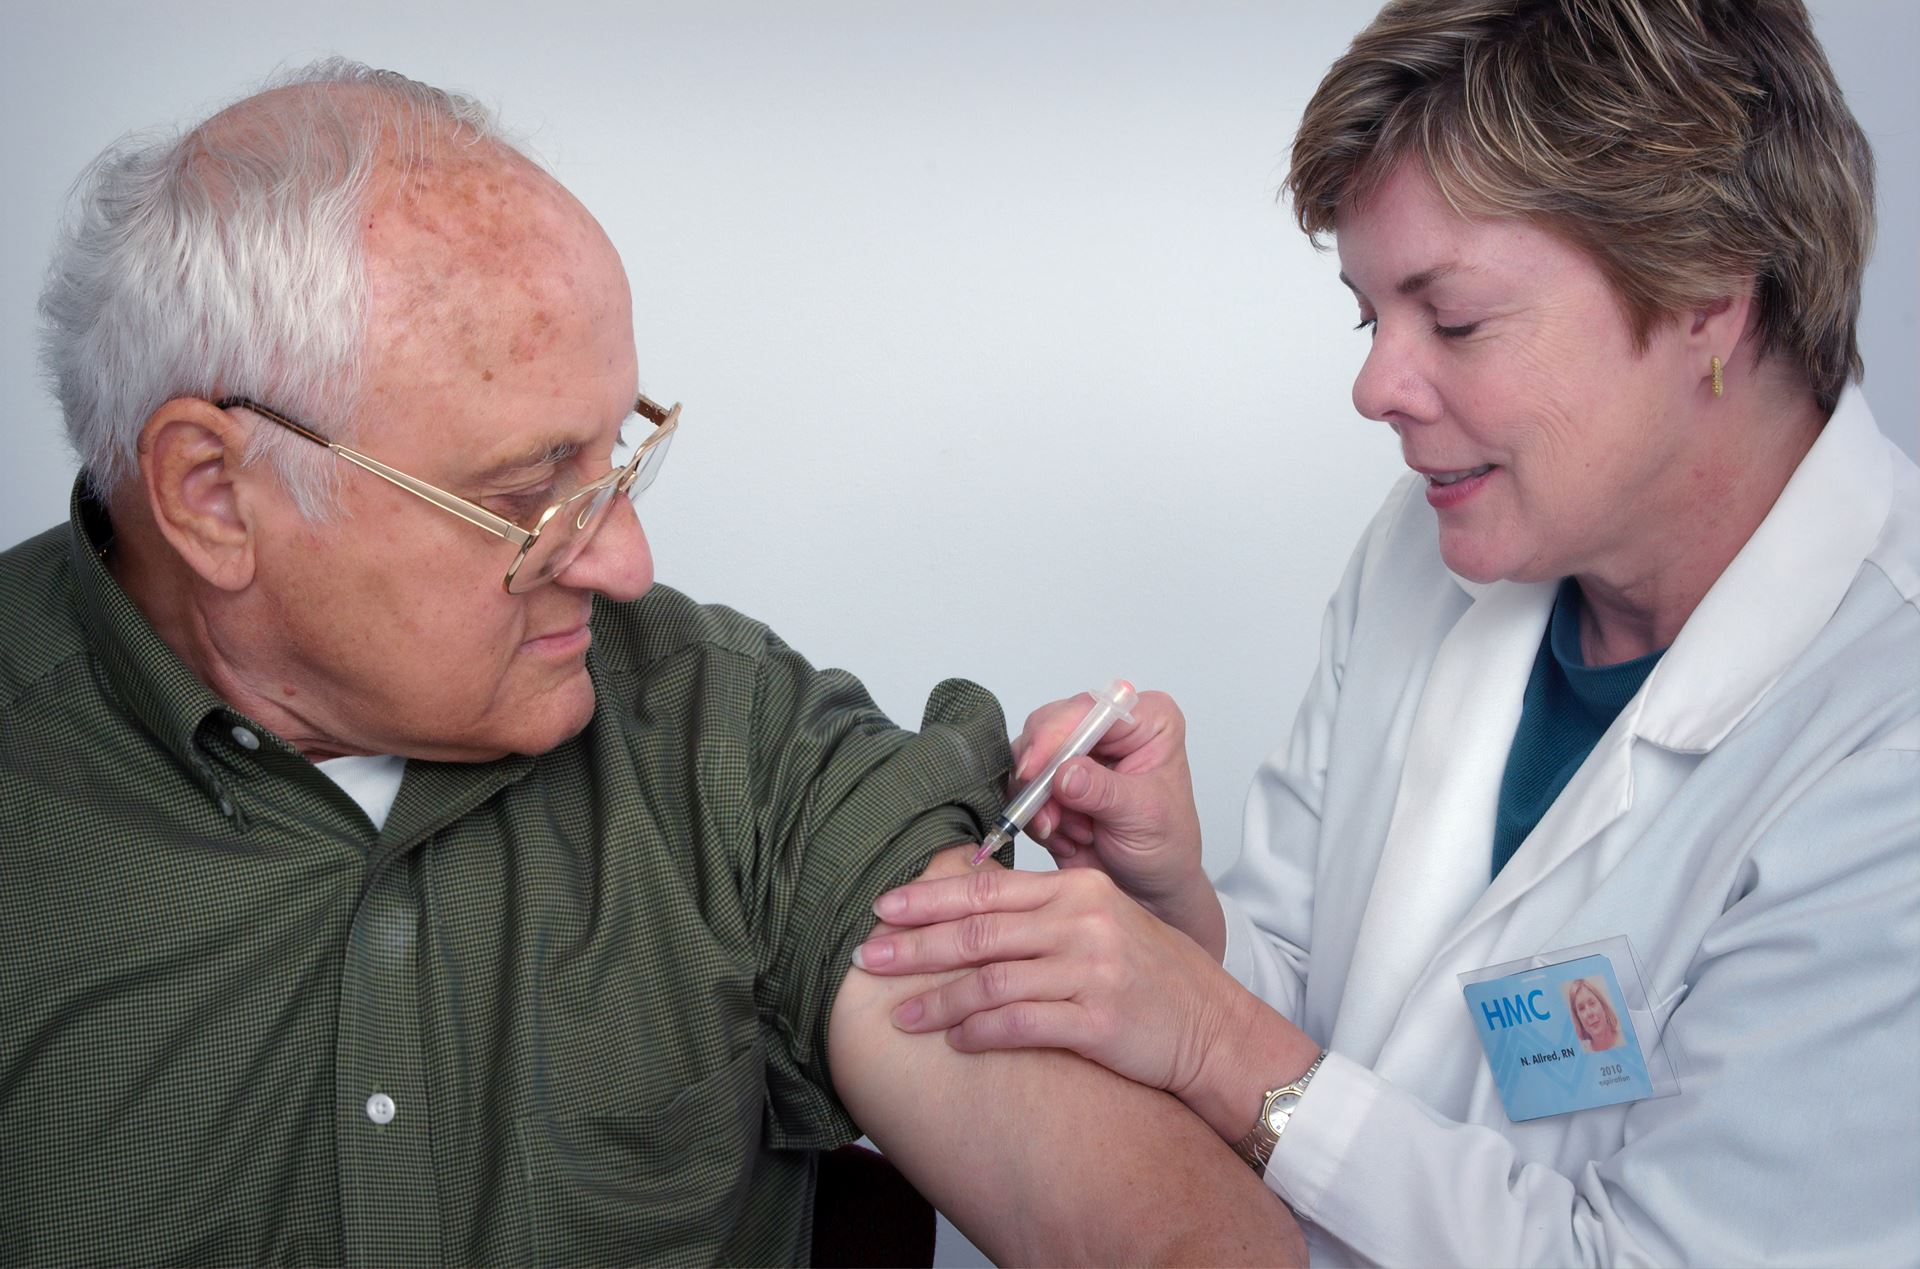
(1455, 477)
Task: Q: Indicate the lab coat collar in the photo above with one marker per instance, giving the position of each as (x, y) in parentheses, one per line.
(1430, 892)
(1776, 595)
(1779, 591)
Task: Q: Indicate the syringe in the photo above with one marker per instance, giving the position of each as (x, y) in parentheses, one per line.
(1109, 707)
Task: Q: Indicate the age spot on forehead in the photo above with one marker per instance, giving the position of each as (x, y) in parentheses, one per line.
(532, 339)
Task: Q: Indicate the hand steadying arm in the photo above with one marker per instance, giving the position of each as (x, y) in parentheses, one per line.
(1042, 1157)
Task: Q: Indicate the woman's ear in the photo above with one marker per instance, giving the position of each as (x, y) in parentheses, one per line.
(190, 469)
(1721, 330)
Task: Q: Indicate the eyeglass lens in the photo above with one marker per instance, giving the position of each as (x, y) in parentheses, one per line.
(572, 527)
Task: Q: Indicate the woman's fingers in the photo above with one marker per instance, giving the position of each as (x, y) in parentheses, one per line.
(989, 987)
(1028, 1024)
(970, 940)
(1071, 828)
(1048, 727)
(946, 898)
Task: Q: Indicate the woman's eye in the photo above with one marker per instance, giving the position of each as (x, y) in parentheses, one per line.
(1367, 324)
(1455, 332)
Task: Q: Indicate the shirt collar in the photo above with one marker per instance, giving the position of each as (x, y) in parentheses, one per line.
(187, 718)
(1779, 591)
(147, 677)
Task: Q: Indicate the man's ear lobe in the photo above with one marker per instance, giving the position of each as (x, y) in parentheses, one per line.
(190, 468)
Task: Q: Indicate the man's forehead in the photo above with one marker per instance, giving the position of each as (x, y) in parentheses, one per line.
(435, 235)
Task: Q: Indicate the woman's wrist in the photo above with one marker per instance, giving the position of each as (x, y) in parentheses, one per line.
(1254, 1049)
(1195, 911)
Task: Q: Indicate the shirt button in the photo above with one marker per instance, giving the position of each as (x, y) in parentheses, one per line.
(245, 739)
(226, 806)
(380, 1108)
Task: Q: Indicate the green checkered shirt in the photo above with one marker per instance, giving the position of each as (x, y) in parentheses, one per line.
(594, 983)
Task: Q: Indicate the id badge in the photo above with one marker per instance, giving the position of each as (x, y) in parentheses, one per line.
(1568, 1030)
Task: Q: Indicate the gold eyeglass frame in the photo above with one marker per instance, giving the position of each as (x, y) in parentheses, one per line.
(665, 420)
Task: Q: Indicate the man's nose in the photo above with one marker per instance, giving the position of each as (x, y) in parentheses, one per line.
(617, 563)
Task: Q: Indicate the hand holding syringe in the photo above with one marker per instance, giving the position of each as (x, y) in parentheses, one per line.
(1109, 707)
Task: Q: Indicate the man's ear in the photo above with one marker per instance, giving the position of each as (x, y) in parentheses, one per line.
(190, 468)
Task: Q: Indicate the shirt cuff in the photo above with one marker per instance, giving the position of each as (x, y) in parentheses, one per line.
(1238, 960)
(1314, 1147)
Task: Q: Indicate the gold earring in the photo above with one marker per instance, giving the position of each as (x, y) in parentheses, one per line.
(1718, 386)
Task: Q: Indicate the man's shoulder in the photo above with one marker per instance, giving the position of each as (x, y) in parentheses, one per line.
(664, 622)
(39, 625)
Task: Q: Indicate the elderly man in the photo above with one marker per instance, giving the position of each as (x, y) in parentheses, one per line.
(389, 874)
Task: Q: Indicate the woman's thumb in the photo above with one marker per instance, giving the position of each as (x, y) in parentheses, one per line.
(1084, 785)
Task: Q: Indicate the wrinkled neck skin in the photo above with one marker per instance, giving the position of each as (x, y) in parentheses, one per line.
(1746, 453)
(218, 635)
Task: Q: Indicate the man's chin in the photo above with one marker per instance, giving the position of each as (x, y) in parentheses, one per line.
(557, 718)
(536, 724)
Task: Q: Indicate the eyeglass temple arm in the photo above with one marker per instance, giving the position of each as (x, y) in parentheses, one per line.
(467, 511)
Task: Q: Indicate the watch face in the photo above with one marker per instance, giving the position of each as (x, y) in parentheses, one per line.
(1281, 1110)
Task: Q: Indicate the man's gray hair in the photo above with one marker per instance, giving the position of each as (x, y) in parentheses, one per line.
(226, 259)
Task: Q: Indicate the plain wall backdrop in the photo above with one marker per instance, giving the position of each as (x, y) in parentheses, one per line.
(999, 358)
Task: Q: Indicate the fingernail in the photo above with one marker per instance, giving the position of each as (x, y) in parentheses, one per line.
(874, 954)
(908, 1014)
(1075, 782)
(890, 904)
(1065, 850)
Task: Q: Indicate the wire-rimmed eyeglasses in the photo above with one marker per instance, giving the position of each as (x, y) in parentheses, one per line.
(560, 533)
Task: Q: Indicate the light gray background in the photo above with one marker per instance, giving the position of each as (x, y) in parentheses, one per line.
(998, 357)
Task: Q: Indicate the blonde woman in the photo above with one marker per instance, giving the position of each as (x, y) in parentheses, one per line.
(1593, 1018)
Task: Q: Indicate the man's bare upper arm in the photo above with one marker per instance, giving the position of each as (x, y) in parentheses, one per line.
(1041, 1156)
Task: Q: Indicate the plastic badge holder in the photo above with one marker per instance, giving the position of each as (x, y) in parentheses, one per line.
(1529, 1017)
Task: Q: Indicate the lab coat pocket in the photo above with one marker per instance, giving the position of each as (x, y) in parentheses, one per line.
(657, 1186)
(1662, 1014)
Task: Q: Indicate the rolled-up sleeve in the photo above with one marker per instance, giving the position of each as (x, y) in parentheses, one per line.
(844, 805)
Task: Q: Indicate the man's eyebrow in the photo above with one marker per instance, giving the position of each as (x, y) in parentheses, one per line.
(550, 453)
(1413, 283)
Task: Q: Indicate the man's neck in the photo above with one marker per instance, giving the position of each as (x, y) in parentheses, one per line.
(175, 602)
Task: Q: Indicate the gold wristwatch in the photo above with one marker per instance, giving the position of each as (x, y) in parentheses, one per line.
(1257, 1146)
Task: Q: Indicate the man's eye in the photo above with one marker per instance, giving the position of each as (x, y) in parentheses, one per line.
(525, 504)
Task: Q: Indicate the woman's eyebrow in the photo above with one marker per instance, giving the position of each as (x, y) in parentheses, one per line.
(1413, 283)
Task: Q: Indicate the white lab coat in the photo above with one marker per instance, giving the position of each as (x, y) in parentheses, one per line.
(1750, 822)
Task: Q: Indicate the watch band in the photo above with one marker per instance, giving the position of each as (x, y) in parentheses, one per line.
(1256, 1147)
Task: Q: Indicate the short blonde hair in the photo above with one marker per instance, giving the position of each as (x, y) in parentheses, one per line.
(1684, 145)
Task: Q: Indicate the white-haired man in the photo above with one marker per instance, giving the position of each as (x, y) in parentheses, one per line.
(389, 873)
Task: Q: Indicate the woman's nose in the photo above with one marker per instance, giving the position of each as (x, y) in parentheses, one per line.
(1393, 386)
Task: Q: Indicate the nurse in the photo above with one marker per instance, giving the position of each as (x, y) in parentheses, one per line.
(1629, 660)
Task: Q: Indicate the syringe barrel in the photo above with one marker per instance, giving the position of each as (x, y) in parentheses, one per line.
(1109, 706)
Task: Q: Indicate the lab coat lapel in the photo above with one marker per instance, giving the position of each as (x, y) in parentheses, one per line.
(1732, 649)
(1439, 844)
(1599, 793)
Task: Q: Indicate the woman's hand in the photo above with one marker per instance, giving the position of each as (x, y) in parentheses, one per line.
(1126, 810)
(1065, 961)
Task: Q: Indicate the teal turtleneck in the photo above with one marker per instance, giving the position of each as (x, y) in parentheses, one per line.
(1567, 708)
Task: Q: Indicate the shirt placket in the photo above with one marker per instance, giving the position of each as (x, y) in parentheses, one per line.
(389, 1199)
